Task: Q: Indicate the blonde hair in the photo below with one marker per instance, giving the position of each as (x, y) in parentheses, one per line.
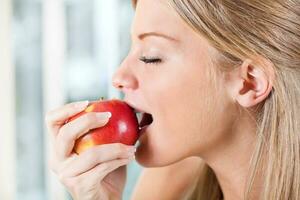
(267, 29)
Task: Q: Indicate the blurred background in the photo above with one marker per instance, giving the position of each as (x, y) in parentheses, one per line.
(53, 52)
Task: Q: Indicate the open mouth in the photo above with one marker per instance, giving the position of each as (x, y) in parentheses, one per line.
(144, 119)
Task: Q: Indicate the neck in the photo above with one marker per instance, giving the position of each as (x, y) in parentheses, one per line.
(230, 161)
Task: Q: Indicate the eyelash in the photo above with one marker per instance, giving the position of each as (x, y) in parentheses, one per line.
(150, 60)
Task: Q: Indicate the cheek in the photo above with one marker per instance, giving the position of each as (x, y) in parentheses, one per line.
(198, 117)
(183, 114)
(191, 116)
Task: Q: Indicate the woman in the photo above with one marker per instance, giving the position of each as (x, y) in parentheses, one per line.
(221, 80)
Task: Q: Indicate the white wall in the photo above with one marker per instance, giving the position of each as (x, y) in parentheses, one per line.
(22, 31)
(7, 105)
(53, 91)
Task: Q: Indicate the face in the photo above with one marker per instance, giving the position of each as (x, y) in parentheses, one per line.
(168, 73)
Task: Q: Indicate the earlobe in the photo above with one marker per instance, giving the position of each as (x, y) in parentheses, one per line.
(255, 84)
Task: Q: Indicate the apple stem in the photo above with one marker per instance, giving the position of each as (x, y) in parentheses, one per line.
(101, 98)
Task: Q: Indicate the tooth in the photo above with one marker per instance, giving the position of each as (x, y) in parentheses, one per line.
(139, 116)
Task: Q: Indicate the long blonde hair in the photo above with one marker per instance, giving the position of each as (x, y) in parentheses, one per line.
(270, 29)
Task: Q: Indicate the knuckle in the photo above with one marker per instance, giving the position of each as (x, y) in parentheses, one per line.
(120, 148)
(62, 130)
(105, 166)
(63, 134)
(70, 183)
(69, 110)
(62, 177)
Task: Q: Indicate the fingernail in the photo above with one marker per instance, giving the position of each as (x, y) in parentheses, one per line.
(103, 115)
(81, 105)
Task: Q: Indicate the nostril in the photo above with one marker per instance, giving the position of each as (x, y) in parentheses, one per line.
(119, 87)
(117, 84)
(124, 79)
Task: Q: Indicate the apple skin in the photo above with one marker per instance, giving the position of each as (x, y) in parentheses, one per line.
(122, 126)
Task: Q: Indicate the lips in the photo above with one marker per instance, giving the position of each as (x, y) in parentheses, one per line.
(144, 118)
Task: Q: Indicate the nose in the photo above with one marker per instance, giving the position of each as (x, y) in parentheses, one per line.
(124, 79)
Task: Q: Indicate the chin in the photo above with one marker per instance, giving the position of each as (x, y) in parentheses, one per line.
(151, 161)
(150, 153)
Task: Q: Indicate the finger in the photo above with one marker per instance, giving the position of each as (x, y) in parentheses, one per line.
(97, 155)
(56, 118)
(68, 133)
(98, 173)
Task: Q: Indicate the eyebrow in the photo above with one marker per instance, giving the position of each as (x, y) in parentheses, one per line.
(144, 35)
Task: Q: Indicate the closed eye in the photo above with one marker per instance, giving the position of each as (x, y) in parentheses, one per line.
(150, 60)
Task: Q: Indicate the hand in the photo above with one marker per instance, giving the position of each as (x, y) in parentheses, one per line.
(99, 173)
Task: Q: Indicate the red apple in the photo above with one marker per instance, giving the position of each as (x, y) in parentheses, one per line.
(122, 126)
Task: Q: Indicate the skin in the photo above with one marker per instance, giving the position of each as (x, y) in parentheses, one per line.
(193, 115)
(159, 179)
(195, 118)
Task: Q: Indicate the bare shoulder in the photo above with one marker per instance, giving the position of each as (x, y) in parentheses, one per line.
(169, 182)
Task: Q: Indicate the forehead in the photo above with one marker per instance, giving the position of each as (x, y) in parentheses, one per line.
(156, 15)
(159, 16)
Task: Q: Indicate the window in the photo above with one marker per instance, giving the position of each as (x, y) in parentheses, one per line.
(55, 52)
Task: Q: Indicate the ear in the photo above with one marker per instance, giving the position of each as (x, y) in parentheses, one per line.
(250, 85)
